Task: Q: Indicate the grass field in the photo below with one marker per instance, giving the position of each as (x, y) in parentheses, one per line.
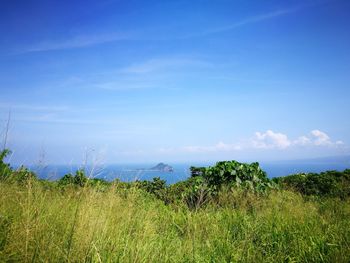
(41, 223)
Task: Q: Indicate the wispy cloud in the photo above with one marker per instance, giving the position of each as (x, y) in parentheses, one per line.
(31, 107)
(124, 86)
(255, 19)
(243, 22)
(164, 63)
(78, 41)
(152, 73)
(86, 40)
(252, 20)
(52, 118)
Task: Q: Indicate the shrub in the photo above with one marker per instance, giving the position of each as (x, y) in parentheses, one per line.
(78, 179)
(5, 169)
(67, 179)
(197, 193)
(22, 175)
(157, 187)
(206, 182)
(233, 173)
(329, 183)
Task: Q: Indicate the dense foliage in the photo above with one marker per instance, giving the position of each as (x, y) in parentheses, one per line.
(20, 175)
(330, 183)
(233, 173)
(5, 169)
(78, 179)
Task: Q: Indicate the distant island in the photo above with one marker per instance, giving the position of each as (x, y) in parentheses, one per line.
(162, 167)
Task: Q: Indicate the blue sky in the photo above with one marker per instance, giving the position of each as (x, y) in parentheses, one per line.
(175, 81)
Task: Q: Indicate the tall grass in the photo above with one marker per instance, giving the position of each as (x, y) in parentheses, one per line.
(48, 224)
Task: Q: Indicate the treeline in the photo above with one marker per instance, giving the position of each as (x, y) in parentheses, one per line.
(204, 184)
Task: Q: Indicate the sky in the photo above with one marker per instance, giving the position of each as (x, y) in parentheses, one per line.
(127, 81)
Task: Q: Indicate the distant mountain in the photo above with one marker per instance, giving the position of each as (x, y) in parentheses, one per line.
(162, 167)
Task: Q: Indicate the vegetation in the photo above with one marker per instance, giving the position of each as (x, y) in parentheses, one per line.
(330, 183)
(230, 212)
(233, 173)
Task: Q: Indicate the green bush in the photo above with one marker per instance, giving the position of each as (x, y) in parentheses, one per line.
(5, 169)
(157, 187)
(78, 179)
(197, 193)
(22, 175)
(67, 179)
(235, 174)
(206, 182)
(329, 183)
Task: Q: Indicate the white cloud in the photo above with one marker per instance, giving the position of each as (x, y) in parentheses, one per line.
(339, 142)
(316, 138)
(302, 140)
(270, 139)
(320, 138)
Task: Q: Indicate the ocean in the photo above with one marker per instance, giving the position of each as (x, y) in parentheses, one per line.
(132, 172)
